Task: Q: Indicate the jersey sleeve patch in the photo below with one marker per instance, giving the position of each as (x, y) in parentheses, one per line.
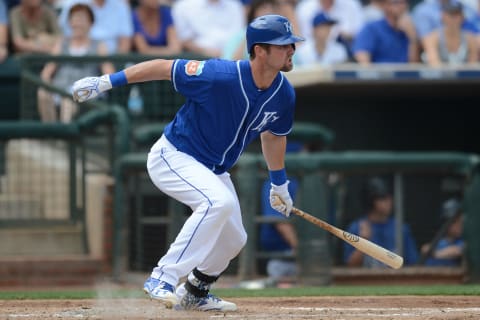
(194, 67)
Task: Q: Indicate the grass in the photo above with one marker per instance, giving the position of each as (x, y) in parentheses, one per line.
(439, 290)
(355, 291)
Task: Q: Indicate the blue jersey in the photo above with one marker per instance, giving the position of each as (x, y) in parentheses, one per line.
(448, 262)
(384, 43)
(383, 234)
(224, 110)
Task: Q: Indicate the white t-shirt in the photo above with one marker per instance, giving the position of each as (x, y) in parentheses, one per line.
(348, 13)
(209, 23)
(334, 53)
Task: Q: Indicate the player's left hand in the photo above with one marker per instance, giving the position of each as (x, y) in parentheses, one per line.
(90, 87)
(286, 204)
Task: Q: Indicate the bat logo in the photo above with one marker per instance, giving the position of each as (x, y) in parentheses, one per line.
(391, 255)
(350, 237)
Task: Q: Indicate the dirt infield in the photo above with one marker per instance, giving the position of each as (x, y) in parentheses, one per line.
(325, 308)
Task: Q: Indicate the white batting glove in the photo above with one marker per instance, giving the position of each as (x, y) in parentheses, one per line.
(285, 205)
(90, 87)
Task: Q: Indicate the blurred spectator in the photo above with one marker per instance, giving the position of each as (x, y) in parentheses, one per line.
(427, 16)
(348, 13)
(450, 44)
(57, 5)
(3, 31)
(378, 226)
(154, 31)
(373, 10)
(34, 27)
(389, 40)
(279, 237)
(204, 26)
(236, 46)
(448, 243)
(81, 19)
(324, 50)
(113, 23)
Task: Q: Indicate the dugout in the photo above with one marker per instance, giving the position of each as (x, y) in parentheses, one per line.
(396, 108)
(381, 108)
(392, 107)
(383, 113)
(317, 248)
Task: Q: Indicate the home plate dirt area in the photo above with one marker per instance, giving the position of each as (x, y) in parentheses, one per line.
(366, 307)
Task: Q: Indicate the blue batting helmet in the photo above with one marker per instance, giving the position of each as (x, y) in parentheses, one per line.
(271, 29)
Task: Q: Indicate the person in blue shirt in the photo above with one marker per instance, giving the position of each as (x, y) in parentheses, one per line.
(378, 226)
(281, 236)
(448, 250)
(228, 105)
(154, 31)
(391, 39)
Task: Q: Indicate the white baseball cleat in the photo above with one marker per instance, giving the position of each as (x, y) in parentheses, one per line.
(161, 291)
(187, 301)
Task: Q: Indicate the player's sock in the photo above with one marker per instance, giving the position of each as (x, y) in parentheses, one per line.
(195, 295)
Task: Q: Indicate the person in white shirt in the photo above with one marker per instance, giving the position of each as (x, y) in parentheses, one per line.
(204, 26)
(348, 13)
(324, 50)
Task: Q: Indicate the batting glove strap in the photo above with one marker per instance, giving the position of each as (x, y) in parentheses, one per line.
(90, 87)
(281, 191)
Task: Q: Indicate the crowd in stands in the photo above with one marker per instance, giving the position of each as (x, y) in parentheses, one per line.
(433, 32)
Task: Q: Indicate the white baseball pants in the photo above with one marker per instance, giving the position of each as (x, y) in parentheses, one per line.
(214, 233)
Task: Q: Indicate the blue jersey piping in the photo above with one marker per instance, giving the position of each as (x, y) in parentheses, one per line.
(258, 114)
(173, 75)
(244, 116)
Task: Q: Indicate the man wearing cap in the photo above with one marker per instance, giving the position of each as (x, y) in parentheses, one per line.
(228, 105)
(348, 14)
(324, 49)
(378, 226)
(447, 249)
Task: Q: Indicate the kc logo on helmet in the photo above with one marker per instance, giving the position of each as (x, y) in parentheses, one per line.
(288, 27)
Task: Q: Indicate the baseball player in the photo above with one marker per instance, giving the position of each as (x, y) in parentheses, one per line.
(228, 104)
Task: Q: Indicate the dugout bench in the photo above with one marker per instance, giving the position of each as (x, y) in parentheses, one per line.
(314, 193)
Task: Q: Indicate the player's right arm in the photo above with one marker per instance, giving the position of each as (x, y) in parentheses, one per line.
(90, 87)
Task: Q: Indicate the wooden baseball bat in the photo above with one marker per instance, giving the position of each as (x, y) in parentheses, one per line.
(375, 251)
